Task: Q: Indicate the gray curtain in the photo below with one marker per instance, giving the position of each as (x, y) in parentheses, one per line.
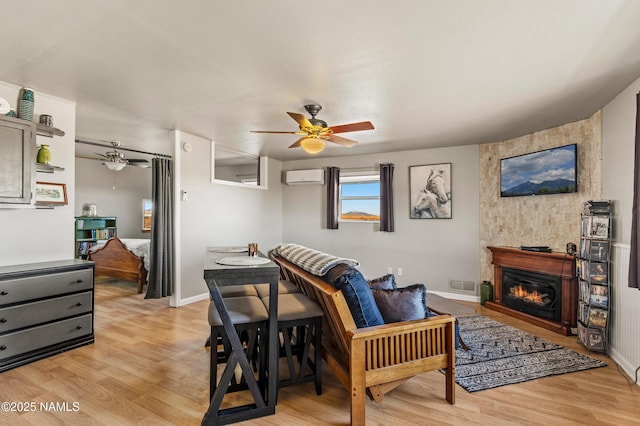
(161, 251)
(333, 194)
(387, 222)
(634, 260)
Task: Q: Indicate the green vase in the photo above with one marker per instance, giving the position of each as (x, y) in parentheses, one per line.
(44, 155)
(486, 292)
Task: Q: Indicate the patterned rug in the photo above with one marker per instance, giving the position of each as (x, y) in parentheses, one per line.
(501, 355)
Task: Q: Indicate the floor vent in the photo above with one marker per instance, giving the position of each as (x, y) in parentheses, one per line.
(468, 286)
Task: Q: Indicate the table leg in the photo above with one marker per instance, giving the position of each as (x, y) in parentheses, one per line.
(237, 356)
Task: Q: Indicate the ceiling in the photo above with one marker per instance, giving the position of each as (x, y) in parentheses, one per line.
(426, 73)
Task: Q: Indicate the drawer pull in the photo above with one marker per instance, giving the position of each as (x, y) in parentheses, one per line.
(3, 320)
(3, 347)
(4, 293)
(78, 304)
(78, 281)
(78, 327)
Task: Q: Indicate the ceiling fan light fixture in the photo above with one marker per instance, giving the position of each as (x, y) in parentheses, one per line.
(115, 166)
(313, 144)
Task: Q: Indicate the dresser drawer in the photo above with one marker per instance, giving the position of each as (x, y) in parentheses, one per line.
(18, 343)
(38, 286)
(33, 313)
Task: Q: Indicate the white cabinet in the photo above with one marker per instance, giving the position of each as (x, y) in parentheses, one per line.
(17, 157)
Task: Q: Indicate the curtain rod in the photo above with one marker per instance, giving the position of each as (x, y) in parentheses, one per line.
(123, 149)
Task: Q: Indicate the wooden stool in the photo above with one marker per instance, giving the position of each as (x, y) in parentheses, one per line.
(249, 317)
(299, 325)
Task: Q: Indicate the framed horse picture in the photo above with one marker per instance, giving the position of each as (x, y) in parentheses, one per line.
(430, 191)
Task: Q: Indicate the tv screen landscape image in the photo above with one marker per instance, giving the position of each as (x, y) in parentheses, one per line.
(550, 171)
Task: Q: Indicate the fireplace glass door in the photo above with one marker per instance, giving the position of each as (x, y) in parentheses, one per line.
(532, 293)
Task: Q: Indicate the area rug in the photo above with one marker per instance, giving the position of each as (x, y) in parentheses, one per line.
(502, 355)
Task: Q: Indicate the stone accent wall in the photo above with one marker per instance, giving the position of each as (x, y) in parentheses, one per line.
(548, 220)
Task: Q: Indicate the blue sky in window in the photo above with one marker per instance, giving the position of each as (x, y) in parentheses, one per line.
(367, 189)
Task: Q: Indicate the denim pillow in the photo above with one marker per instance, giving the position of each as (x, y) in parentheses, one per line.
(359, 298)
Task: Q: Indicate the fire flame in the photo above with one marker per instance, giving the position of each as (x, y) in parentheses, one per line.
(521, 292)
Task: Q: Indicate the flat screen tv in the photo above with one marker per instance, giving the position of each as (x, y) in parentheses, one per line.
(550, 171)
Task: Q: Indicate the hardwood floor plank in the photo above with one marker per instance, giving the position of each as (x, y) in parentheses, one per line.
(149, 366)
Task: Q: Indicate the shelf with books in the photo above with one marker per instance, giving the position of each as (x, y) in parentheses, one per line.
(90, 229)
(593, 270)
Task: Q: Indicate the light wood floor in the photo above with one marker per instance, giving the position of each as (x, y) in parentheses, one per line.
(148, 366)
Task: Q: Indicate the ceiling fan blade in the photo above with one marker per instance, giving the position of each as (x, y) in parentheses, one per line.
(342, 141)
(101, 155)
(269, 131)
(139, 162)
(353, 127)
(298, 142)
(300, 119)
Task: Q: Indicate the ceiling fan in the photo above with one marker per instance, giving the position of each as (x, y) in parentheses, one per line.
(315, 132)
(117, 161)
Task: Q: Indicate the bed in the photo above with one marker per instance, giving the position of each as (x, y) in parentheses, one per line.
(126, 259)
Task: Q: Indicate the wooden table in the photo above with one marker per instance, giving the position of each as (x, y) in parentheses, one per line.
(217, 275)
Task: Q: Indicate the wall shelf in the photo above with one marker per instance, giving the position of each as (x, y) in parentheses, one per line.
(48, 168)
(48, 131)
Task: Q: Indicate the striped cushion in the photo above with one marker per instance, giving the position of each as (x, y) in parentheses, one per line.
(313, 261)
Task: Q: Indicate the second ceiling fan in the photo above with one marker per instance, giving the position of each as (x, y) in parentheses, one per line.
(314, 132)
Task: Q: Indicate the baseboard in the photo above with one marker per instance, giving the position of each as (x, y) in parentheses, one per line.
(624, 365)
(193, 299)
(457, 296)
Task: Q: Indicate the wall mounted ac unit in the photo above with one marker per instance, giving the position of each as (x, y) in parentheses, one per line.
(305, 177)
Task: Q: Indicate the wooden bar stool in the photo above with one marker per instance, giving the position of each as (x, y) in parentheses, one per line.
(300, 325)
(249, 317)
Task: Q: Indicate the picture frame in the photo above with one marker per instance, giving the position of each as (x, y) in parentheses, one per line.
(430, 191)
(51, 194)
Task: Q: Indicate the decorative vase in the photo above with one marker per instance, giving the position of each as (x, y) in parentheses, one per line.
(44, 155)
(25, 104)
(486, 292)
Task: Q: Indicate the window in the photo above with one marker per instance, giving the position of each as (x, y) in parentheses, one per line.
(147, 206)
(360, 198)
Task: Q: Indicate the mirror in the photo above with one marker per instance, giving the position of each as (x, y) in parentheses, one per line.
(232, 167)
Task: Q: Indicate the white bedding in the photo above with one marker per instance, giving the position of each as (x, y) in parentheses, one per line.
(138, 246)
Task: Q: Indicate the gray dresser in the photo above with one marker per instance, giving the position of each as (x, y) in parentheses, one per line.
(45, 308)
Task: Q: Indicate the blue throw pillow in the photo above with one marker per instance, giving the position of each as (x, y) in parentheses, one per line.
(360, 299)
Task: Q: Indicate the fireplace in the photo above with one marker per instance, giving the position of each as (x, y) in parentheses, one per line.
(540, 288)
(532, 293)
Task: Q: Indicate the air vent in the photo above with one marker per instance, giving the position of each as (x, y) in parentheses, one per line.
(467, 286)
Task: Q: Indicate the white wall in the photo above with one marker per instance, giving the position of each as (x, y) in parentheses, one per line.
(618, 139)
(430, 251)
(618, 129)
(116, 194)
(221, 215)
(37, 235)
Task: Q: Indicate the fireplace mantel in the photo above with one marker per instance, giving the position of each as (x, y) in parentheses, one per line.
(555, 264)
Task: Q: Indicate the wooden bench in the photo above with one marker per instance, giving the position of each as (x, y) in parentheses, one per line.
(375, 360)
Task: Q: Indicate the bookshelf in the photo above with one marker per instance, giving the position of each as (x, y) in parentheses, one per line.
(90, 229)
(594, 277)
